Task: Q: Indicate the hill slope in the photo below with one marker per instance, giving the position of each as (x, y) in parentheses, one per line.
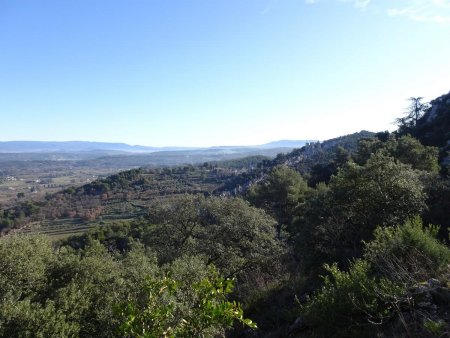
(433, 128)
(127, 194)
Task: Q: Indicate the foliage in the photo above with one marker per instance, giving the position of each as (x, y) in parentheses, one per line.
(165, 314)
(48, 292)
(376, 290)
(349, 303)
(409, 150)
(63, 287)
(405, 149)
(407, 253)
(309, 230)
(333, 223)
(415, 111)
(122, 180)
(228, 233)
(27, 319)
(322, 172)
(279, 194)
(23, 265)
(381, 192)
(435, 328)
(438, 203)
(433, 128)
(147, 268)
(116, 236)
(16, 216)
(240, 163)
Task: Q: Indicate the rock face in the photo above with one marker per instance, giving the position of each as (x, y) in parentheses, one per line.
(429, 308)
(432, 114)
(434, 127)
(320, 152)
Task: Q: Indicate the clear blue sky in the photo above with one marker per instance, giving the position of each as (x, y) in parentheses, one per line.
(215, 72)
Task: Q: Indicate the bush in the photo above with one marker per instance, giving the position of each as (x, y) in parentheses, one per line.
(350, 302)
(382, 286)
(26, 319)
(409, 253)
(173, 309)
(23, 265)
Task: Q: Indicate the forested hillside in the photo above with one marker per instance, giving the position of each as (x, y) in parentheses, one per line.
(429, 123)
(126, 194)
(344, 238)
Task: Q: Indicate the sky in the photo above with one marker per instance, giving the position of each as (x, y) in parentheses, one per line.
(216, 72)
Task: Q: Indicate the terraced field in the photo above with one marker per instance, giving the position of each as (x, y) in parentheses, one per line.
(120, 197)
(58, 229)
(114, 210)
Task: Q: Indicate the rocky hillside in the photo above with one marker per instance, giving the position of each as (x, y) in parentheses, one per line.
(321, 152)
(432, 129)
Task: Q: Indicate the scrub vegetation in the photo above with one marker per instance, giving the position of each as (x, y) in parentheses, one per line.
(344, 238)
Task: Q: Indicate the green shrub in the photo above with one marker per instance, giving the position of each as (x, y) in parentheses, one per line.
(173, 309)
(349, 302)
(435, 328)
(26, 319)
(23, 265)
(380, 288)
(409, 253)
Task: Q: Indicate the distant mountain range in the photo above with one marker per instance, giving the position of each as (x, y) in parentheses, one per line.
(286, 144)
(83, 146)
(70, 146)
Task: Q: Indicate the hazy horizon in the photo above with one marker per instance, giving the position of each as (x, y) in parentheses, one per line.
(163, 146)
(204, 73)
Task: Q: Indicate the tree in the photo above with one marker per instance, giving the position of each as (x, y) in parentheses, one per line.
(410, 151)
(405, 149)
(415, 111)
(226, 232)
(322, 172)
(382, 192)
(279, 194)
(62, 292)
(23, 266)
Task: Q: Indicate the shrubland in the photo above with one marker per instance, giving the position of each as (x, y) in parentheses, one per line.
(348, 238)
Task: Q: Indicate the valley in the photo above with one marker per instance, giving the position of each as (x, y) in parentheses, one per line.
(271, 225)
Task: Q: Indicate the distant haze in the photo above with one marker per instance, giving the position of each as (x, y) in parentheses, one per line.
(82, 146)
